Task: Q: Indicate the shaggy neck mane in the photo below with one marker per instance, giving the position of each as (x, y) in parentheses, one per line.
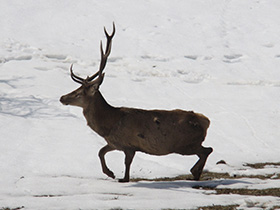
(100, 115)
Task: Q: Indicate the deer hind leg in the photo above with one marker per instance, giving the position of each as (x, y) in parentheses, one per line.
(129, 155)
(101, 155)
(203, 154)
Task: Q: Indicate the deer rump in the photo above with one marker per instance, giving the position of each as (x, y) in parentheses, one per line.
(159, 132)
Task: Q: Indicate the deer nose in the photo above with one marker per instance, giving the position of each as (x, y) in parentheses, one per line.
(62, 100)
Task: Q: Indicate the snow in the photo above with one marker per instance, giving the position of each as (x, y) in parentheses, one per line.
(219, 58)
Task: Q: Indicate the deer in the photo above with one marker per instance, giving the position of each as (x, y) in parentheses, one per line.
(131, 130)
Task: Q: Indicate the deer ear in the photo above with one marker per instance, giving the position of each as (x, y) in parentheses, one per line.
(94, 86)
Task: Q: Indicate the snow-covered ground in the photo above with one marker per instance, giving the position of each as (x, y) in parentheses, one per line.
(220, 58)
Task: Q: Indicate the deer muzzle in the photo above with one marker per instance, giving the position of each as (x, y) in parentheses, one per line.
(63, 100)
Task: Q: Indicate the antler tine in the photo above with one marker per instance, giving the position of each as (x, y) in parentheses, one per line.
(102, 63)
(92, 77)
(75, 77)
(109, 38)
(105, 55)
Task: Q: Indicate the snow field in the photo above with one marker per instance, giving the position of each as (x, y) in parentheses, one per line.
(219, 58)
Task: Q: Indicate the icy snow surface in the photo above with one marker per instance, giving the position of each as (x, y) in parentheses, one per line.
(220, 58)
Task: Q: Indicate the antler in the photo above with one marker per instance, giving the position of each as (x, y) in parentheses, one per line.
(75, 77)
(105, 55)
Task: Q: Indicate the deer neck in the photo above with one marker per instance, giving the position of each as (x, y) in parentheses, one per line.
(100, 115)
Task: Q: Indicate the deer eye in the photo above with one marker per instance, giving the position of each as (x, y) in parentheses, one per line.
(78, 95)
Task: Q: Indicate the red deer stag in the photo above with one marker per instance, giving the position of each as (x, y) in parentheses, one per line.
(155, 132)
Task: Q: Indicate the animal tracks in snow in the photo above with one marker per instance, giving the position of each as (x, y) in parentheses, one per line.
(15, 58)
(197, 57)
(147, 66)
(256, 83)
(29, 106)
(157, 66)
(228, 58)
(16, 51)
(192, 77)
(56, 56)
(232, 58)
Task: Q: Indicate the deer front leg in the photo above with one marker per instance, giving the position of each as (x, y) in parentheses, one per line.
(129, 155)
(101, 155)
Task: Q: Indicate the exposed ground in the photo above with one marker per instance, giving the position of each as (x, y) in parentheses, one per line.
(206, 176)
(240, 191)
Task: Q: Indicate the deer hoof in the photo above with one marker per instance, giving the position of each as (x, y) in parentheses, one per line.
(123, 180)
(196, 173)
(110, 174)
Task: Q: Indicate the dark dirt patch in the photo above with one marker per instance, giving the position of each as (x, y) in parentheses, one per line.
(17, 208)
(275, 207)
(218, 207)
(242, 191)
(230, 207)
(261, 165)
(207, 176)
(214, 207)
(267, 176)
(47, 196)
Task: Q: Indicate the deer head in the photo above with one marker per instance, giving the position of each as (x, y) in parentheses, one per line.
(90, 85)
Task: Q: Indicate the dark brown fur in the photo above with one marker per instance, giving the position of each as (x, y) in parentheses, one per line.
(155, 132)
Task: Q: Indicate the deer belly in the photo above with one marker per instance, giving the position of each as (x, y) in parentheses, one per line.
(152, 141)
